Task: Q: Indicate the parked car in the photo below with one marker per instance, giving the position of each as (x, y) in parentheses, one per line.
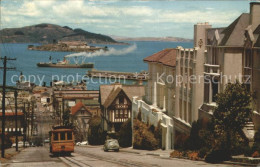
(78, 144)
(47, 140)
(84, 143)
(111, 144)
(20, 144)
(26, 144)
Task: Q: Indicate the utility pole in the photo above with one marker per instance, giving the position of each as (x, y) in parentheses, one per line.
(3, 104)
(63, 111)
(24, 125)
(32, 118)
(28, 123)
(16, 133)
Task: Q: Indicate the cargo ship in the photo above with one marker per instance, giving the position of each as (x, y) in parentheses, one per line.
(65, 64)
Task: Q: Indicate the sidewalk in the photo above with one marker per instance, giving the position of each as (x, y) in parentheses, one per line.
(166, 154)
(9, 153)
(159, 152)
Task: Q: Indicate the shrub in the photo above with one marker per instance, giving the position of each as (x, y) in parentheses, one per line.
(125, 134)
(217, 156)
(95, 134)
(181, 141)
(203, 152)
(256, 145)
(139, 116)
(158, 134)
(248, 151)
(193, 156)
(176, 154)
(256, 154)
(18, 33)
(143, 138)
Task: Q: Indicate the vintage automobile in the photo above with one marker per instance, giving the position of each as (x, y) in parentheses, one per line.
(111, 144)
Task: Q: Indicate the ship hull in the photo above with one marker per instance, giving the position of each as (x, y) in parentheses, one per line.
(87, 65)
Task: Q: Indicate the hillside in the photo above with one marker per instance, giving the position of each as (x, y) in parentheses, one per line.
(46, 33)
(165, 39)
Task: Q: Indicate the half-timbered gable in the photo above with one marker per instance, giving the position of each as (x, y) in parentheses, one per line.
(116, 104)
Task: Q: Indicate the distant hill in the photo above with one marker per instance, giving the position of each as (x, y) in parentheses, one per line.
(46, 33)
(166, 39)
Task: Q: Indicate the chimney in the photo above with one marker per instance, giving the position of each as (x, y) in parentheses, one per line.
(254, 14)
(200, 37)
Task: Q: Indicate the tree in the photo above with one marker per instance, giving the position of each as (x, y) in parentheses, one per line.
(232, 113)
(125, 134)
(143, 138)
(95, 134)
(66, 118)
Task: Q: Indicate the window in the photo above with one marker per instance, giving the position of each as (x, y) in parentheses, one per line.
(126, 114)
(121, 100)
(62, 136)
(214, 56)
(116, 113)
(55, 136)
(69, 135)
(214, 90)
(248, 58)
(121, 113)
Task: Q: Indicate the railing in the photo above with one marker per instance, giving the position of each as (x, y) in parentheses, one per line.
(211, 69)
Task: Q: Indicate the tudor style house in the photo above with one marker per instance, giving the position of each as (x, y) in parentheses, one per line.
(116, 104)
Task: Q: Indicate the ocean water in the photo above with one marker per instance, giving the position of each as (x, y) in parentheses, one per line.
(26, 61)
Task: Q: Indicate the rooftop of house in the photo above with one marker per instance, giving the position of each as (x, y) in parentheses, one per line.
(109, 92)
(234, 34)
(166, 57)
(235, 31)
(11, 114)
(77, 107)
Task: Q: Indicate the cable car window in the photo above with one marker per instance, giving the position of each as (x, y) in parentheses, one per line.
(55, 136)
(62, 136)
(69, 135)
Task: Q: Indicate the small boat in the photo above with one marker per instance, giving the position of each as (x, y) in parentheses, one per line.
(65, 64)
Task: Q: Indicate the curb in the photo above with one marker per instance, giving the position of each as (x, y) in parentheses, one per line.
(238, 163)
(133, 152)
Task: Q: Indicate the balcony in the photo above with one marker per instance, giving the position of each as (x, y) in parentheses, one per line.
(210, 69)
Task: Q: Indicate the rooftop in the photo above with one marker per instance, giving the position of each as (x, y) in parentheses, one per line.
(166, 57)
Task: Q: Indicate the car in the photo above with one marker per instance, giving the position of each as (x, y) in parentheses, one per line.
(47, 140)
(78, 144)
(26, 144)
(84, 143)
(111, 144)
(20, 144)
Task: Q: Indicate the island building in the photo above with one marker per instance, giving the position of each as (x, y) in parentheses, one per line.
(219, 56)
(116, 104)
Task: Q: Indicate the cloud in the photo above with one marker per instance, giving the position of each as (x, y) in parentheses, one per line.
(105, 16)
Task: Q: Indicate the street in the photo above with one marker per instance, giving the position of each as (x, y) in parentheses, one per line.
(94, 156)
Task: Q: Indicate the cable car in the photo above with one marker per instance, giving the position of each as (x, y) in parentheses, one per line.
(61, 140)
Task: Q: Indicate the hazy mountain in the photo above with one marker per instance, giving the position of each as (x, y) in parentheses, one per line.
(46, 33)
(167, 39)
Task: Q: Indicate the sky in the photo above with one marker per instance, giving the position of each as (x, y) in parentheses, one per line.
(123, 18)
